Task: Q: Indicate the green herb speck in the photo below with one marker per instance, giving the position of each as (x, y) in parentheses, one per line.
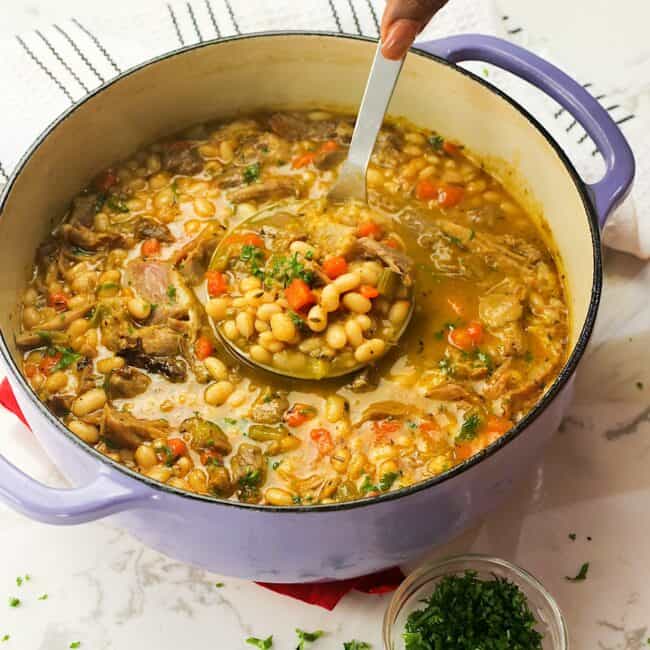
(572, 537)
(171, 293)
(252, 173)
(43, 597)
(218, 585)
(307, 637)
(75, 644)
(356, 645)
(14, 602)
(582, 574)
(470, 427)
(262, 644)
(436, 141)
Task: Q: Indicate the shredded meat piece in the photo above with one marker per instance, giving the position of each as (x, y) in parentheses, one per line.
(450, 392)
(193, 259)
(498, 309)
(124, 430)
(336, 238)
(127, 382)
(231, 178)
(272, 188)
(151, 280)
(248, 467)
(180, 158)
(395, 260)
(83, 210)
(150, 229)
(291, 126)
(329, 159)
(270, 408)
(90, 239)
(173, 368)
(158, 340)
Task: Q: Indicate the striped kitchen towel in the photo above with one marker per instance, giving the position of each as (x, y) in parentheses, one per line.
(53, 66)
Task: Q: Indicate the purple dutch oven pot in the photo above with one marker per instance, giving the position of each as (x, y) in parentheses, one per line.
(247, 73)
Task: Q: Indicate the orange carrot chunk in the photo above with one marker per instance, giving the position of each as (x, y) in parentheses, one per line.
(217, 283)
(150, 247)
(299, 295)
(323, 441)
(369, 229)
(335, 266)
(203, 348)
(368, 291)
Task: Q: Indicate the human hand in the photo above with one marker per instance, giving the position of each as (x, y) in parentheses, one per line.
(402, 21)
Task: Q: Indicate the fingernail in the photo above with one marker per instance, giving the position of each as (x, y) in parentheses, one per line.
(399, 38)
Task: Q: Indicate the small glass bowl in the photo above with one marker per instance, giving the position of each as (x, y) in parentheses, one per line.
(421, 583)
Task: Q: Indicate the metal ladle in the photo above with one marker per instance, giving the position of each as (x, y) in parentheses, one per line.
(350, 186)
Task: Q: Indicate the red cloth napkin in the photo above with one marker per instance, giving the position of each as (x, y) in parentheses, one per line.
(323, 594)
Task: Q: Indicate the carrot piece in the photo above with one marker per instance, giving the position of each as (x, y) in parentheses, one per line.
(466, 450)
(475, 331)
(429, 427)
(150, 247)
(323, 441)
(459, 337)
(450, 148)
(245, 239)
(368, 291)
(385, 427)
(217, 283)
(369, 229)
(177, 447)
(328, 146)
(58, 300)
(105, 181)
(497, 425)
(30, 369)
(426, 190)
(391, 243)
(203, 348)
(48, 362)
(303, 161)
(299, 414)
(450, 195)
(299, 295)
(335, 266)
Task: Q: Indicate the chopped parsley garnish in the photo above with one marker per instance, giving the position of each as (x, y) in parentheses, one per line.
(436, 141)
(307, 637)
(297, 499)
(639, 385)
(368, 486)
(68, 357)
(262, 644)
(470, 427)
(445, 366)
(19, 580)
(174, 188)
(230, 421)
(297, 320)
(254, 257)
(218, 585)
(169, 456)
(467, 613)
(171, 293)
(286, 269)
(387, 480)
(116, 204)
(46, 337)
(356, 645)
(582, 574)
(412, 425)
(108, 285)
(250, 479)
(572, 537)
(43, 597)
(14, 602)
(75, 644)
(5, 637)
(252, 173)
(485, 360)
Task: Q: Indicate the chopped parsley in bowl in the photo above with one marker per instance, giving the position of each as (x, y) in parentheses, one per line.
(473, 602)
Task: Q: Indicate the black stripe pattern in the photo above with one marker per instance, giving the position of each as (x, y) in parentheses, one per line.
(58, 57)
(3, 173)
(355, 17)
(231, 13)
(373, 13)
(98, 44)
(45, 69)
(80, 54)
(335, 15)
(172, 15)
(194, 23)
(213, 20)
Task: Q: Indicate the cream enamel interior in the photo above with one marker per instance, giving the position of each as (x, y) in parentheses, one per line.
(231, 77)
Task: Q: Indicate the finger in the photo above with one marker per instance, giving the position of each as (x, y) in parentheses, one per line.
(402, 21)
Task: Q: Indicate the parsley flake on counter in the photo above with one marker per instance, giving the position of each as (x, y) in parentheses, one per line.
(5, 637)
(75, 644)
(307, 637)
(19, 580)
(218, 585)
(582, 574)
(572, 537)
(14, 602)
(356, 645)
(639, 385)
(43, 597)
(467, 613)
(262, 644)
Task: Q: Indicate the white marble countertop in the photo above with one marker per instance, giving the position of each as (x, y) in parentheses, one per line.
(108, 591)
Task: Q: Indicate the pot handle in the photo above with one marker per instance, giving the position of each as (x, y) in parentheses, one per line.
(608, 192)
(101, 497)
